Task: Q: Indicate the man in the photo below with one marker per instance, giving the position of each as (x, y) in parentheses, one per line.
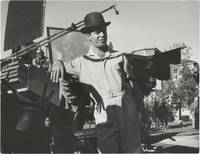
(40, 60)
(193, 111)
(108, 79)
(163, 116)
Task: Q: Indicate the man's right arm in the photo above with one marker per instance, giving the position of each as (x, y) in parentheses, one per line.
(61, 70)
(58, 71)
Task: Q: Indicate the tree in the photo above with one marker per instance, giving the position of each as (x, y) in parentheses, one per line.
(181, 89)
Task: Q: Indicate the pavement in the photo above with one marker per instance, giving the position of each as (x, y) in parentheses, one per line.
(187, 141)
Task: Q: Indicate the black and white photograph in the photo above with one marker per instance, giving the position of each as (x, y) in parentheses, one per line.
(101, 76)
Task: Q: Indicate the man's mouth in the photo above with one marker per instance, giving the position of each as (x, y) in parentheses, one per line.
(102, 40)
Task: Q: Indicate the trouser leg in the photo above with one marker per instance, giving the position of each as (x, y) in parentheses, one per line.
(130, 138)
(108, 133)
(120, 131)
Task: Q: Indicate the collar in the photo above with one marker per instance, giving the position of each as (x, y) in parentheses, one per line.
(92, 54)
(108, 55)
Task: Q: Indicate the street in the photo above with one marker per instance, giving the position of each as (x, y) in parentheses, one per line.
(187, 141)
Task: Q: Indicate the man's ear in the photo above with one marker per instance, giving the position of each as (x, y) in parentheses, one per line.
(88, 36)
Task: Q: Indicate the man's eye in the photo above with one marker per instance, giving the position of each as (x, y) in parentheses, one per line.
(97, 32)
(100, 30)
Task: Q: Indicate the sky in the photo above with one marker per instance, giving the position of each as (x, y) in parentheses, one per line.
(140, 24)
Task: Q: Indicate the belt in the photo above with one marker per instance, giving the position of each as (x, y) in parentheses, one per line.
(114, 94)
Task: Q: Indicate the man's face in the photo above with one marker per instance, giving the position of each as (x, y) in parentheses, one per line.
(40, 54)
(98, 38)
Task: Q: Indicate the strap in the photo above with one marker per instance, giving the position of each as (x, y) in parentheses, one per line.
(99, 60)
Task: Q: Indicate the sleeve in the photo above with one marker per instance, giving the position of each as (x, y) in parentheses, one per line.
(74, 67)
(66, 86)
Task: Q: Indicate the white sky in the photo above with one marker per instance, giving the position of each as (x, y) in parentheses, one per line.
(140, 24)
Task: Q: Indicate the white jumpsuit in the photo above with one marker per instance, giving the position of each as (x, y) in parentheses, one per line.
(106, 80)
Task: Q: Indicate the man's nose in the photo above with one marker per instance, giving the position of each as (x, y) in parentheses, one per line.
(101, 34)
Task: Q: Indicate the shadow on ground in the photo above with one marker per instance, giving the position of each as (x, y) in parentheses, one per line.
(178, 149)
(179, 126)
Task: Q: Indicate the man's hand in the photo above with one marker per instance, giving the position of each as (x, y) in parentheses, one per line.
(58, 71)
(99, 104)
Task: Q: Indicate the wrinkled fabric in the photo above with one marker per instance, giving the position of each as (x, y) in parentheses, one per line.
(107, 81)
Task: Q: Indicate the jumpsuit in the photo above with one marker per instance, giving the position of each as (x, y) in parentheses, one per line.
(106, 80)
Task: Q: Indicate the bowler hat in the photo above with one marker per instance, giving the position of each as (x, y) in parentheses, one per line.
(92, 21)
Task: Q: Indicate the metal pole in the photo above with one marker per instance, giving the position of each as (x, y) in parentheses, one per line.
(34, 46)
